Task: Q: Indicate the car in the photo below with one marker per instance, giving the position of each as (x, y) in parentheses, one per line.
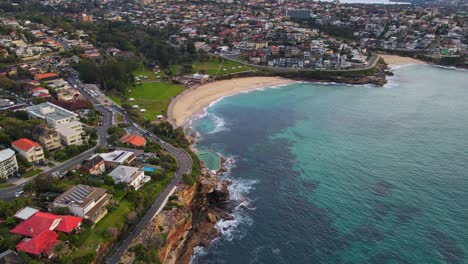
(178, 183)
(18, 193)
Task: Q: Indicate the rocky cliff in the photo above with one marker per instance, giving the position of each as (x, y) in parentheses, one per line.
(188, 220)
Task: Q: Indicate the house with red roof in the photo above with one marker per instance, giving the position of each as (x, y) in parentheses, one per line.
(46, 76)
(69, 223)
(41, 245)
(42, 221)
(39, 232)
(37, 224)
(30, 150)
(36, 92)
(134, 140)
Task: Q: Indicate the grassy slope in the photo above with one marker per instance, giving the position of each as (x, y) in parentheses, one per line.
(215, 67)
(154, 97)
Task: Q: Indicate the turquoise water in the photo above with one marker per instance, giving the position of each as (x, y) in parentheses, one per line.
(210, 159)
(149, 169)
(332, 173)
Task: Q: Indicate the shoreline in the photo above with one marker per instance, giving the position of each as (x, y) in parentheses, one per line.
(194, 102)
(397, 60)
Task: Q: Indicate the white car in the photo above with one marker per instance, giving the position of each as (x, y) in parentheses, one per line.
(18, 193)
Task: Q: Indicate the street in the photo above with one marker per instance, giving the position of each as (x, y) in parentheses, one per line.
(183, 159)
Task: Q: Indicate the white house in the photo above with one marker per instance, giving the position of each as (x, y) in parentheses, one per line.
(130, 175)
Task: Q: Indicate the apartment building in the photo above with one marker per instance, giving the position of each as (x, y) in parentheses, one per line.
(30, 150)
(47, 137)
(8, 163)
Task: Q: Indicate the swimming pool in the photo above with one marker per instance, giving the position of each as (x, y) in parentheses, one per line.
(149, 169)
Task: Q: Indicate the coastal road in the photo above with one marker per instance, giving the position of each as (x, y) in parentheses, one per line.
(184, 162)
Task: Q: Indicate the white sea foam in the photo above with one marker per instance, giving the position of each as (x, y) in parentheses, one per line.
(220, 124)
(239, 189)
(450, 67)
(229, 164)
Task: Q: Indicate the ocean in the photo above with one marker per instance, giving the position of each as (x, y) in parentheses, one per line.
(335, 173)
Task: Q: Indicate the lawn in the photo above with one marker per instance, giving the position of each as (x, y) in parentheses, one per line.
(153, 96)
(29, 174)
(91, 238)
(151, 76)
(214, 67)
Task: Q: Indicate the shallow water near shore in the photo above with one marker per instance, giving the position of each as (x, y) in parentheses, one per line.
(346, 174)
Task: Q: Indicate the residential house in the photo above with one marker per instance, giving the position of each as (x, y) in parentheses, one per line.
(38, 229)
(30, 150)
(85, 201)
(130, 175)
(94, 165)
(134, 140)
(46, 77)
(117, 157)
(48, 137)
(40, 245)
(8, 163)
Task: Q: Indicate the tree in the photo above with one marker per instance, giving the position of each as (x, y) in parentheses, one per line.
(108, 180)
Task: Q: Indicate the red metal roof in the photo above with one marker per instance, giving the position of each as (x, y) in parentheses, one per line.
(43, 243)
(68, 223)
(25, 144)
(36, 224)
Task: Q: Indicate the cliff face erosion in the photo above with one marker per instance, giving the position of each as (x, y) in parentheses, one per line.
(188, 220)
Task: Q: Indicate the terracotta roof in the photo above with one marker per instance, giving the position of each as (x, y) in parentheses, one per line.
(41, 76)
(68, 223)
(25, 144)
(134, 140)
(43, 243)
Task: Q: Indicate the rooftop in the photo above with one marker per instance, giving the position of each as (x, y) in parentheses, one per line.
(118, 156)
(134, 140)
(6, 154)
(80, 195)
(50, 111)
(25, 144)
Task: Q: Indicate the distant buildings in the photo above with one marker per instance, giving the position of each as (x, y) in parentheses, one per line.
(28, 149)
(84, 18)
(46, 77)
(8, 163)
(85, 201)
(298, 13)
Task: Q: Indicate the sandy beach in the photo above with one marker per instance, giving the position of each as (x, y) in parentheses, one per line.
(395, 60)
(193, 102)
